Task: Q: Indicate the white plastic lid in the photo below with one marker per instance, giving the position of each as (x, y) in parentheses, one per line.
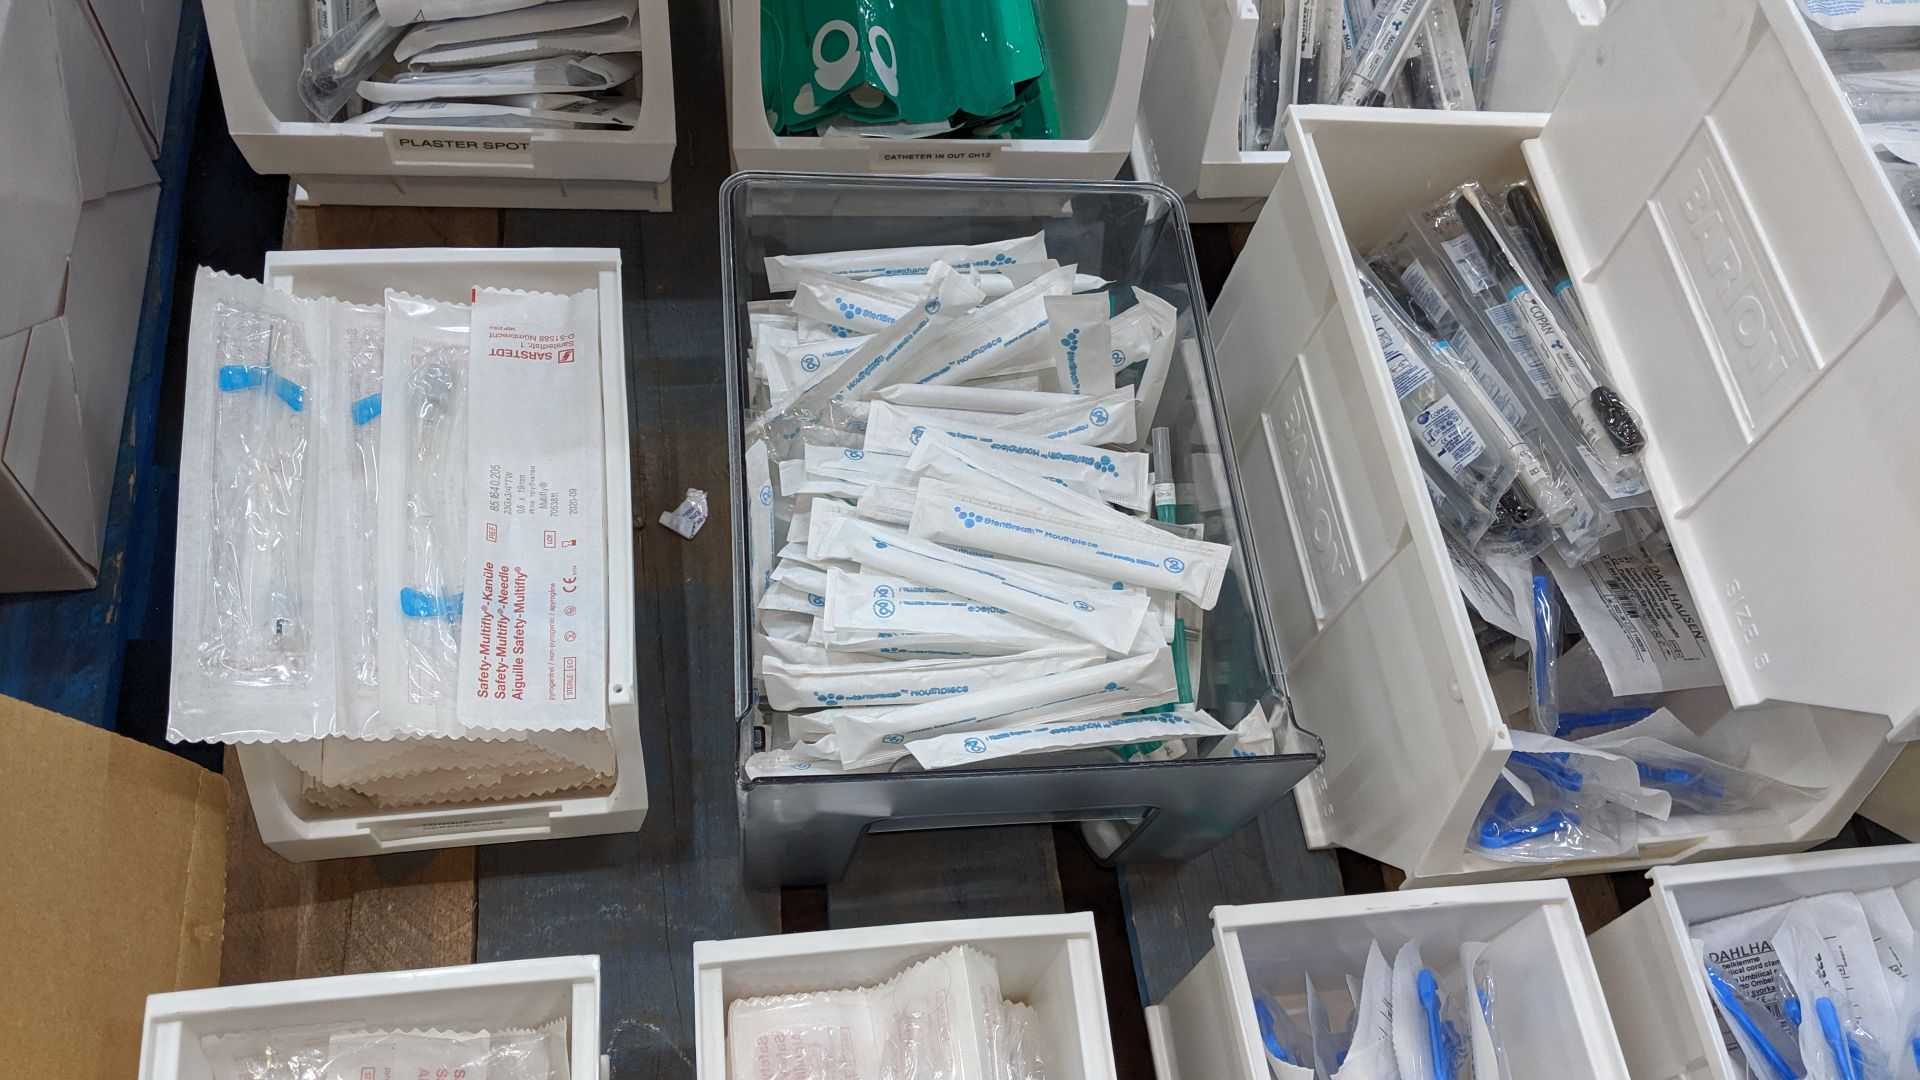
(1753, 282)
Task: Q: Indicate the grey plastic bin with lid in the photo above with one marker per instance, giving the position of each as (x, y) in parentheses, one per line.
(803, 830)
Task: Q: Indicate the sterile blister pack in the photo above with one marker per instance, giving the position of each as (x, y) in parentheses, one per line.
(253, 630)
(941, 1017)
(346, 1052)
(423, 470)
(948, 568)
(323, 571)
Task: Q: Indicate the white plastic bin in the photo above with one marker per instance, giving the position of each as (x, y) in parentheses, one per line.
(1203, 50)
(1548, 1008)
(1048, 962)
(1753, 283)
(257, 49)
(518, 993)
(1096, 49)
(1668, 1025)
(300, 831)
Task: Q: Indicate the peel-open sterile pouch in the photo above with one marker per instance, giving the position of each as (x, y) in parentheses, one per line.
(1107, 618)
(1077, 339)
(253, 627)
(903, 682)
(423, 454)
(579, 112)
(1001, 337)
(1033, 530)
(571, 74)
(352, 420)
(972, 398)
(1849, 1026)
(848, 306)
(872, 735)
(890, 262)
(534, 625)
(962, 748)
(402, 13)
(594, 16)
(1120, 477)
(881, 359)
(1111, 418)
(893, 604)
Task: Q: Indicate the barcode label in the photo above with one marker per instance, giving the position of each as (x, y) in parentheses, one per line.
(1506, 323)
(1469, 263)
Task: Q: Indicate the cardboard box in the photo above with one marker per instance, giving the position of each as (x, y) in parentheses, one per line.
(115, 888)
(63, 392)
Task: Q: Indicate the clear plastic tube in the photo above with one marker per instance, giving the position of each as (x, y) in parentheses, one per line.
(334, 68)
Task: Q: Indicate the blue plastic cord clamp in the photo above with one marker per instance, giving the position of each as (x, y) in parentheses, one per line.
(1730, 1002)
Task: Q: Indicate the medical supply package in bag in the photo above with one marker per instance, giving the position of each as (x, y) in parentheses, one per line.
(1401, 1020)
(1557, 800)
(571, 111)
(970, 68)
(944, 1016)
(1435, 74)
(360, 1051)
(321, 567)
(1553, 500)
(568, 74)
(1560, 366)
(951, 570)
(254, 609)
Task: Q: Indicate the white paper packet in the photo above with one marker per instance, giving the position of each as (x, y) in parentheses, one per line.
(533, 634)
(906, 682)
(893, 603)
(1107, 419)
(883, 262)
(949, 751)
(1486, 591)
(1371, 1056)
(585, 113)
(973, 398)
(1107, 618)
(610, 40)
(254, 612)
(572, 74)
(876, 363)
(1006, 335)
(762, 527)
(1030, 529)
(423, 474)
(996, 285)
(1636, 609)
(792, 364)
(1077, 339)
(1118, 476)
(870, 736)
(848, 306)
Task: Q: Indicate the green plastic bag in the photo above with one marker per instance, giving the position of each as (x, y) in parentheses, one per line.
(955, 62)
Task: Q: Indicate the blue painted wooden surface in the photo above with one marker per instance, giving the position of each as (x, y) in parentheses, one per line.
(65, 651)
